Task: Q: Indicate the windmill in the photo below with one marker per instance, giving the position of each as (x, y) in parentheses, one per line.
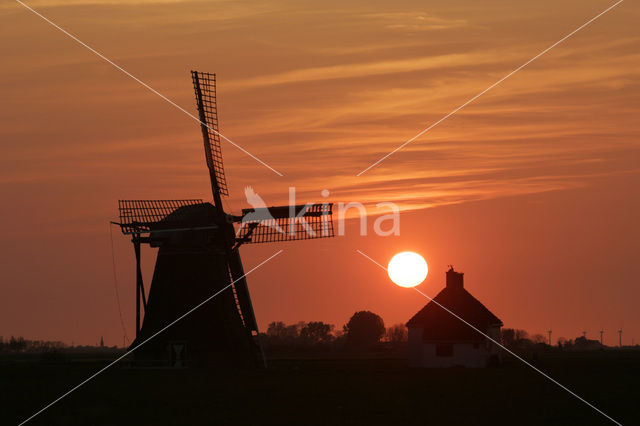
(198, 255)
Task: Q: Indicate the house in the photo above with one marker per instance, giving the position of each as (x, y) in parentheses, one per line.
(439, 339)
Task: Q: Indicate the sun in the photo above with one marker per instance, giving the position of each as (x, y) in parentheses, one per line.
(407, 269)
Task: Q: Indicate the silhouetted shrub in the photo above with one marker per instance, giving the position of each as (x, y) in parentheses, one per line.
(364, 329)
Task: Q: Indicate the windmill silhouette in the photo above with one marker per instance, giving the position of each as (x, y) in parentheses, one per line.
(198, 255)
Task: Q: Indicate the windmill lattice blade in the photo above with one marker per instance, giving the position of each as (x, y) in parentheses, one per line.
(138, 216)
(204, 85)
(241, 292)
(286, 223)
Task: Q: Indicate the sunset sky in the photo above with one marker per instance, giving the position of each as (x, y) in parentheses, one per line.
(531, 190)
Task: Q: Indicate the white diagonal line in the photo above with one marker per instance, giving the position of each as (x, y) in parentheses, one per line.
(146, 86)
(504, 348)
(490, 87)
(146, 340)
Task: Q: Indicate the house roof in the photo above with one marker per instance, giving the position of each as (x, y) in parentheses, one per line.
(441, 325)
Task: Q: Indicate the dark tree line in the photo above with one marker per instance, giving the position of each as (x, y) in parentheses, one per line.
(364, 330)
(301, 334)
(20, 344)
(520, 340)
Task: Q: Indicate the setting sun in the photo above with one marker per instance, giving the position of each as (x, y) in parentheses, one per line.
(407, 269)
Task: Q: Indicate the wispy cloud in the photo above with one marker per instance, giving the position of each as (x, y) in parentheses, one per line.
(415, 21)
(317, 102)
(343, 71)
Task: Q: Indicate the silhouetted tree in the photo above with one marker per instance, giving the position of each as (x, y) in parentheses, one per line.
(364, 329)
(17, 344)
(276, 329)
(284, 331)
(508, 337)
(517, 339)
(582, 343)
(280, 333)
(521, 335)
(316, 332)
(562, 342)
(397, 333)
(539, 338)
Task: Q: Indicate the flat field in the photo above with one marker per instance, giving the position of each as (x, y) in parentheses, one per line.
(307, 391)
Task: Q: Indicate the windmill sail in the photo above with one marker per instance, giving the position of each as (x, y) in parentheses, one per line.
(140, 216)
(286, 223)
(243, 302)
(204, 85)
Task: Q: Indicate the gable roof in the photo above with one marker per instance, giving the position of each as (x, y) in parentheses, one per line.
(441, 325)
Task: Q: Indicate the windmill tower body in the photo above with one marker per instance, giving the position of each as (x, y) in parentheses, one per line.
(192, 265)
(198, 257)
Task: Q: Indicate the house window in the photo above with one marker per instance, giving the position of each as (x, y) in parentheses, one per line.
(444, 350)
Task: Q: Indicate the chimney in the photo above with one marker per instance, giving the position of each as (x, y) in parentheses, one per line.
(454, 279)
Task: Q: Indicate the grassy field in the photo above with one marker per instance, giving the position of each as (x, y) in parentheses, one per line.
(327, 392)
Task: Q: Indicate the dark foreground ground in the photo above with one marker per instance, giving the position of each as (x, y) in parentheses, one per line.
(326, 392)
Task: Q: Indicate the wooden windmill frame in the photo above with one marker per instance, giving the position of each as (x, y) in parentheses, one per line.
(192, 232)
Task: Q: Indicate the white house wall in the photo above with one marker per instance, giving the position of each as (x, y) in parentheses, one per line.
(423, 354)
(464, 354)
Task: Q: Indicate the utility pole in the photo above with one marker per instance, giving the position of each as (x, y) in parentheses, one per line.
(601, 333)
(620, 337)
(549, 337)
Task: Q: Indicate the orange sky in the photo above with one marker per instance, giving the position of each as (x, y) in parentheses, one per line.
(532, 190)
